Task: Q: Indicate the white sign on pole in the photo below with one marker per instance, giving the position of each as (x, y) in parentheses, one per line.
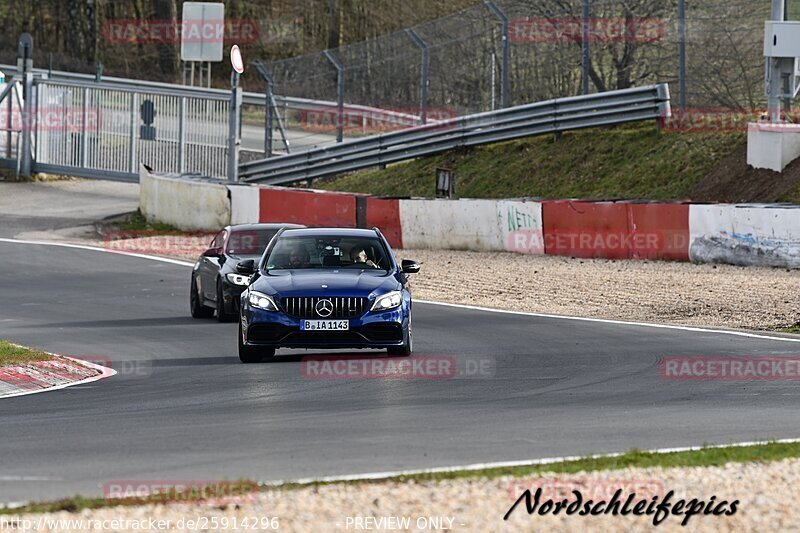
(236, 59)
(202, 31)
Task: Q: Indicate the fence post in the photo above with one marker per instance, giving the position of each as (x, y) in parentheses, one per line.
(133, 146)
(339, 94)
(84, 139)
(268, 94)
(234, 109)
(585, 47)
(500, 16)
(182, 135)
(682, 54)
(25, 66)
(423, 74)
(773, 71)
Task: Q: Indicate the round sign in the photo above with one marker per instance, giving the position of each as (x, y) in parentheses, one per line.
(236, 59)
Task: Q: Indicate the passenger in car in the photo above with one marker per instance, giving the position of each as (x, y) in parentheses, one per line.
(359, 255)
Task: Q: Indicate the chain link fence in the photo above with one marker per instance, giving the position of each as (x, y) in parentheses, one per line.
(555, 48)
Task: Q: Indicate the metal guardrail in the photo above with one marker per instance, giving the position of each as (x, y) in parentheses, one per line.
(548, 117)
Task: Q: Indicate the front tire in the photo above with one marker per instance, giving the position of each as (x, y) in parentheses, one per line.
(196, 306)
(406, 349)
(252, 354)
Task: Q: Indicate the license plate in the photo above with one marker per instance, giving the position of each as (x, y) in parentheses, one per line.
(325, 325)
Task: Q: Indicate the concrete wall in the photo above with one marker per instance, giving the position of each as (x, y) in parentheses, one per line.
(244, 204)
(188, 204)
(452, 224)
(766, 235)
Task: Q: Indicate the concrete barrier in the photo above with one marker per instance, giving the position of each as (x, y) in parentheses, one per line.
(520, 225)
(764, 235)
(451, 224)
(767, 235)
(184, 202)
(244, 204)
(384, 214)
(306, 206)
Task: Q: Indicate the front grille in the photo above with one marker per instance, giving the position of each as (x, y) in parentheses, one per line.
(305, 306)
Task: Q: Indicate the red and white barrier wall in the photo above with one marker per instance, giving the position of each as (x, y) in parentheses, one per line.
(766, 235)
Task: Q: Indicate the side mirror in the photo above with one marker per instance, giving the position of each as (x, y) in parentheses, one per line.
(246, 267)
(409, 266)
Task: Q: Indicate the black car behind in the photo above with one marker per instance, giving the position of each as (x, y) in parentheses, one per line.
(215, 283)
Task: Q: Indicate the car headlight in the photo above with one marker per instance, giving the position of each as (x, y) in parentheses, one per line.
(238, 279)
(390, 300)
(262, 301)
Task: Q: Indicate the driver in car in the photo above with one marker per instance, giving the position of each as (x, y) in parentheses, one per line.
(298, 257)
(359, 255)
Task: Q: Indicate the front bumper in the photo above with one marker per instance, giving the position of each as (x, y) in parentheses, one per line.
(279, 330)
(231, 295)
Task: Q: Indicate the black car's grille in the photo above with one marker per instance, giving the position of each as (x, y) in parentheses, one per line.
(340, 307)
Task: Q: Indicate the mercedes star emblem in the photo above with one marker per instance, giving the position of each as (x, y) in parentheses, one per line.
(324, 308)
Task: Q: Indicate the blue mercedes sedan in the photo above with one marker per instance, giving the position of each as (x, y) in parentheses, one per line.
(325, 288)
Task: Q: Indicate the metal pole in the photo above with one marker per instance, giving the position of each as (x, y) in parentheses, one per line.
(585, 48)
(25, 64)
(423, 74)
(504, 75)
(339, 94)
(268, 120)
(234, 141)
(774, 72)
(182, 135)
(271, 113)
(84, 135)
(28, 118)
(134, 122)
(682, 54)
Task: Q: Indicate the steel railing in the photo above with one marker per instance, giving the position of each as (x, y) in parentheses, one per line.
(548, 117)
(248, 98)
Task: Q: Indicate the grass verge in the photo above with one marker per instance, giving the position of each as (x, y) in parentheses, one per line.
(11, 354)
(792, 329)
(626, 161)
(705, 457)
(136, 222)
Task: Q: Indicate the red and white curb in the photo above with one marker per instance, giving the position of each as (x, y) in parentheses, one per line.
(54, 374)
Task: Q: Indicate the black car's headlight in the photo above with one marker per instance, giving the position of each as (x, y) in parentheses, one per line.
(390, 300)
(261, 301)
(238, 279)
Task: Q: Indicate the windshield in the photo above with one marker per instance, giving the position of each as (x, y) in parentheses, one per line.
(249, 242)
(328, 252)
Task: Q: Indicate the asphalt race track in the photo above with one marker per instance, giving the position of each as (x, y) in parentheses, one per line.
(183, 408)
